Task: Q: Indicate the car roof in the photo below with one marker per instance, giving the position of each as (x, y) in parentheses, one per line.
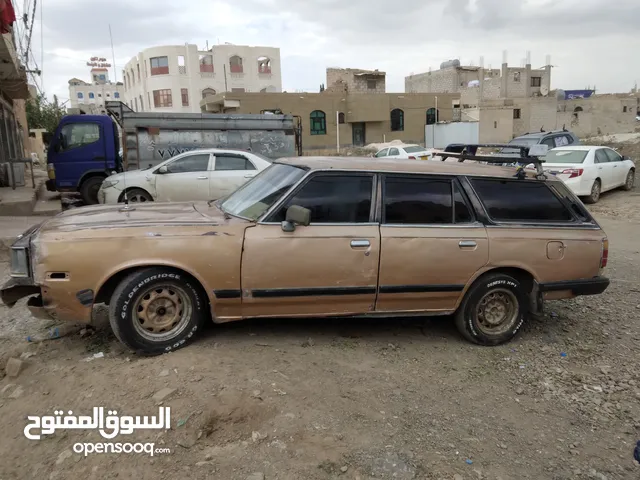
(398, 165)
(542, 134)
(579, 147)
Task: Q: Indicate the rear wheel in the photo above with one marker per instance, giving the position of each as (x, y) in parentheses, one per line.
(89, 190)
(493, 310)
(138, 195)
(596, 189)
(631, 178)
(157, 310)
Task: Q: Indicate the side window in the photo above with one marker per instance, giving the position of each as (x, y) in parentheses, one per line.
(613, 156)
(224, 162)
(393, 151)
(549, 142)
(601, 157)
(333, 199)
(461, 211)
(561, 140)
(76, 135)
(382, 153)
(192, 163)
(417, 201)
(520, 200)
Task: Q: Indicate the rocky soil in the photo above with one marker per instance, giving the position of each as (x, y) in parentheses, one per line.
(334, 399)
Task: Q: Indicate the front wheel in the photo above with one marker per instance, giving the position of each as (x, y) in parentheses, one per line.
(631, 178)
(89, 190)
(157, 310)
(493, 310)
(138, 195)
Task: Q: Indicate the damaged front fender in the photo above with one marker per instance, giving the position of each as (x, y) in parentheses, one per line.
(17, 288)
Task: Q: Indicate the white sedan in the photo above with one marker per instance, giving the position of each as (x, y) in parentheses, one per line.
(589, 171)
(413, 152)
(206, 174)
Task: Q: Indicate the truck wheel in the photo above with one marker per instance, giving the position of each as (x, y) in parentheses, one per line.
(157, 310)
(89, 190)
(493, 310)
(138, 195)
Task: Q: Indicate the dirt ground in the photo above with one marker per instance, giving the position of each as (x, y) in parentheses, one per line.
(375, 399)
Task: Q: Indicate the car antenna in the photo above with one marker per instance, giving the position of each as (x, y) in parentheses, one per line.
(126, 207)
(542, 129)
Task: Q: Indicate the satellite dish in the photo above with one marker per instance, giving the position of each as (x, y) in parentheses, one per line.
(544, 90)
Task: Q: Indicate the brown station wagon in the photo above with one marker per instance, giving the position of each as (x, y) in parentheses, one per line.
(311, 237)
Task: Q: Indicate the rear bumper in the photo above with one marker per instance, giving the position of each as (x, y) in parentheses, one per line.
(590, 286)
(17, 288)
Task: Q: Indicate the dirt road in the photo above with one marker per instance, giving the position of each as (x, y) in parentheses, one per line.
(324, 399)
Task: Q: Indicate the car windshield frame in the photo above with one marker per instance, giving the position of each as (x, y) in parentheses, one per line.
(558, 154)
(275, 181)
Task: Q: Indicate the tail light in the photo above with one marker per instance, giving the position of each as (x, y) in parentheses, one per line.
(573, 172)
(412, 158)
(605, 253)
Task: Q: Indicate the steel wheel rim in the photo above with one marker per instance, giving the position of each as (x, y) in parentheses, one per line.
(137, 198)
(630, 179)
(595, 190)
(161, 312)
(497, 312)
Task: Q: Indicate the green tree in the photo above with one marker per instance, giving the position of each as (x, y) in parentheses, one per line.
(44, 114)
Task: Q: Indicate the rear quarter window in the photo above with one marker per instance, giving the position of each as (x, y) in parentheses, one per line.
(520, 201)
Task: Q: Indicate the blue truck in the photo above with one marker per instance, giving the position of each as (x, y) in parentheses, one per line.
(85, 149)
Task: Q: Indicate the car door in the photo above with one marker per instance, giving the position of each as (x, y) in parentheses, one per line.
(431, 243)
(394, 153)
(79, 149)
(382, 153)
(230, 171)
(329, 267)
(605, 169)
(618, 166)
(186, 179)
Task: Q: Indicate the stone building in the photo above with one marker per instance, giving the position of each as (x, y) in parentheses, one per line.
(353, 80)
(90, 97)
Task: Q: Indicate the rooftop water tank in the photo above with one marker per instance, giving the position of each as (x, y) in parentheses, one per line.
(450, 63)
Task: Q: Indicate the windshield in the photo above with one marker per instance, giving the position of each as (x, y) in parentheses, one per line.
(565, 156)
(255, 197)
(413, 149)
(523, 141)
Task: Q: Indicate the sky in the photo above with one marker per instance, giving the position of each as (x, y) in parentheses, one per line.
(591, 42)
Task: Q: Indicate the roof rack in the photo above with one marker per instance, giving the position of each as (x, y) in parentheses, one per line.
(467, 151)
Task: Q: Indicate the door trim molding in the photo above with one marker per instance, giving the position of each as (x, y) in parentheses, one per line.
(427, 288)
(312, 292)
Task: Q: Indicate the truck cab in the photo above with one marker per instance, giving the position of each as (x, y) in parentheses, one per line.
(84, 150)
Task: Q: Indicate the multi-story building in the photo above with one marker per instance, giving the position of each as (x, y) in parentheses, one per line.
(354, 80)
(89, 97)
(176, 78)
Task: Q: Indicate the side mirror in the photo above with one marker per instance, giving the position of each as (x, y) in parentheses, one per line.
(296, 215)
(163, 169)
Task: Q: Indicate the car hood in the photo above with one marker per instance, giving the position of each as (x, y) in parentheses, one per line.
(147, 214)
(129, 176)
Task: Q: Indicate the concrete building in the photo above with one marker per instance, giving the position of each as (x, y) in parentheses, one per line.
(13, 95)
(358, 118)
(352, 80)
(89, 97)
(175, 78)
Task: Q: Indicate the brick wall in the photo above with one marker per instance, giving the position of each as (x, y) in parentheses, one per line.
(356, 83)
(439, 81)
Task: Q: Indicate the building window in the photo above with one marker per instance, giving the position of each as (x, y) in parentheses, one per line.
(135, 104)
(264, 65)
(238, 89)
(80, 95)
(341, 118)
(206, 63)
(372, 84)
(495, 124)
(159, 66)
(108, 94)
(432, 116)
(208, 91)
(184, 93)
(99, 95)
(397, 120)
(536, 81)
(235, 63)
(116, 95)
(162, 98)
(124, 80)
(91, 95)
(182, 68)
(624, 109)
(516, 113)
(138, 66)
(318, 122)
(141, 105)
(516, 77)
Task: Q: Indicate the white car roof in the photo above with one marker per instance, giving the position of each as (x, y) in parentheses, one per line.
(580, 147)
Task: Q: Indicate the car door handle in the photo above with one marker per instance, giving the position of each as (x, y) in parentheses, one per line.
(202, 177)
(249, 176)
(360, 243)
(615, 166)
(467, 244)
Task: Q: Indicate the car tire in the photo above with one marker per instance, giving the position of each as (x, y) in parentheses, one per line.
(157, 310)
(631, 178)
(596, 190)
(89, 190)
(137, 195)
(493, 310)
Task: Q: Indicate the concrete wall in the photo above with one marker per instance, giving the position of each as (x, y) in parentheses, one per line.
(372, 109)
(191, 78)
(356, 83)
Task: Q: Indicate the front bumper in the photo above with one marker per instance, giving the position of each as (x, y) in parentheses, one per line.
(17, 288)
(589, 286)
(109, 196)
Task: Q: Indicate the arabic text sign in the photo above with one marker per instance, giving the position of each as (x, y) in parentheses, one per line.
(109, 426)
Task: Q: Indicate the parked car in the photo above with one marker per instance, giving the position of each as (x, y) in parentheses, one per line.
(323, 236)
(552, 139)
(413, 152)
(588, 171)
(196, 175)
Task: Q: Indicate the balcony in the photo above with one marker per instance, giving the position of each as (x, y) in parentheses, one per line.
(159, 70)
(206, 68)
(236, 69)
(13, 77)
(263, 69)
